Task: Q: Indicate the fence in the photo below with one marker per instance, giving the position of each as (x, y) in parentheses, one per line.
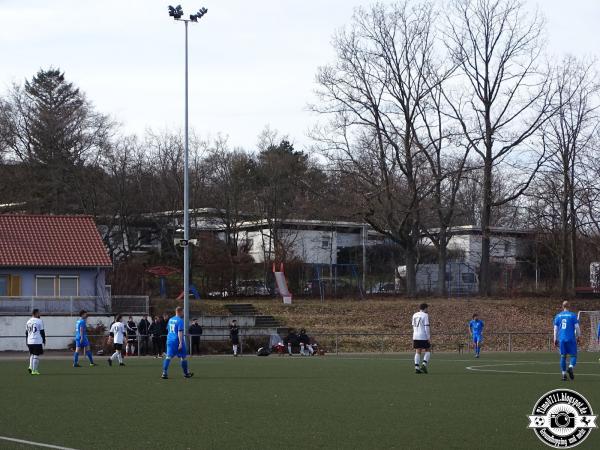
(125, 304)
(54, 305)
(331, 343)
(130, 304)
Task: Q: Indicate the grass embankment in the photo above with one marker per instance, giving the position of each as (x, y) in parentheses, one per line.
(393, 315)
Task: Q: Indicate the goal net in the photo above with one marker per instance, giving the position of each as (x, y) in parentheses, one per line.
(589, 322)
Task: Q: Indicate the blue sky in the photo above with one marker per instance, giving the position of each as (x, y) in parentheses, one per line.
(252, 63)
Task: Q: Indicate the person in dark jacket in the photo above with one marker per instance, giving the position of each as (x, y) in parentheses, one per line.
(306, 349)
(164, 330)
(291, 341)
(234, 335)
(131, 329)
(155, 330)
(143, 327)
(195, 331)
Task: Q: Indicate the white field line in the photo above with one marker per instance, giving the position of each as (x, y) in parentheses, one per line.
(485, 368)
(36, 444)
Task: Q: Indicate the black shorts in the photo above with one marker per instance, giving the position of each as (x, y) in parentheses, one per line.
(118, 347)
(36, 349)
(425, 345)
(235, 340)
(131, 340)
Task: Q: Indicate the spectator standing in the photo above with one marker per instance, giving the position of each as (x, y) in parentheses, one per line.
(234, 335)
(143, 329)
(155, 330)
(131, 336)
(195, 331)
(164, 330)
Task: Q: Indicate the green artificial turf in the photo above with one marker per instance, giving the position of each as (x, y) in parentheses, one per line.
(337, 402)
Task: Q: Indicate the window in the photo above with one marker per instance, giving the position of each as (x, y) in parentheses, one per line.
(325, 242)
(68, 286)
(44, 286)
(468, 278)
(506, 247)
(4, 285)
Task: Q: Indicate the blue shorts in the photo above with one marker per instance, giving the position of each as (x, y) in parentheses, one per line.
(568, 348)
(477, 338)
(82, 342)
(173, 349)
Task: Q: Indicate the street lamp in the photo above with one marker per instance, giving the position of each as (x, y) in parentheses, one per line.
(177, 14)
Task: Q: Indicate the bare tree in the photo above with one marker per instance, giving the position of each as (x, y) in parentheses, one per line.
(504, 98)
(372, 95)
(447, 163)
(567, 138)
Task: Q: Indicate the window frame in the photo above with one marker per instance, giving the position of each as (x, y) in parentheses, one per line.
(68, 277)
(52, 277)
(7, 278)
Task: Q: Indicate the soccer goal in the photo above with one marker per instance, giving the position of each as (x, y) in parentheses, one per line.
(589, 322)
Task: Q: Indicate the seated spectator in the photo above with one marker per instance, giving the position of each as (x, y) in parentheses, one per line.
(306, 349)
(291, 340)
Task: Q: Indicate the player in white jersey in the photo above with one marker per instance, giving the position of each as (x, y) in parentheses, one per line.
(36, 339)
(421, 338)
(117, 336)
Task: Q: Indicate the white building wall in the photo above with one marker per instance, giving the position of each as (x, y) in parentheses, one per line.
(311, 246)
(63, 326)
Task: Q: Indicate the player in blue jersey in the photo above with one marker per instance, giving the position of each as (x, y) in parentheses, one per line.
(81, 340)
(476, 330)
(566, 336)
(176, 344)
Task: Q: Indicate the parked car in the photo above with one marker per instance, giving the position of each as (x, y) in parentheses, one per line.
(252, 288)
(219, 294)
(383, 288)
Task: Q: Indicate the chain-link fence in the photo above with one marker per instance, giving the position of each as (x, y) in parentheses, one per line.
(327, 343)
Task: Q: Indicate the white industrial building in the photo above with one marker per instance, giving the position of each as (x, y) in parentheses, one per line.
(507, 246)
(311, 241)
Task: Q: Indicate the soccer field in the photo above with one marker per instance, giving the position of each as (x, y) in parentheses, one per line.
(338, 402)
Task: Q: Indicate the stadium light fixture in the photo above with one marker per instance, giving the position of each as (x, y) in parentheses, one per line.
(176, 12)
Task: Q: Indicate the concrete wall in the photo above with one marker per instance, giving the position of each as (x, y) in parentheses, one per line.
(61, 326)
(60, 330)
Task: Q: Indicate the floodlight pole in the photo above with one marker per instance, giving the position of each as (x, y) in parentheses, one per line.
(177, 14)
(186, 201)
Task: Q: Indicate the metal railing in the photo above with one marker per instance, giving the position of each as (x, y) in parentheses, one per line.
(130, 304)
(70, 305)
(331, 343)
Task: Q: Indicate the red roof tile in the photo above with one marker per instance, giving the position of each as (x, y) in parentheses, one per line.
(50, 241)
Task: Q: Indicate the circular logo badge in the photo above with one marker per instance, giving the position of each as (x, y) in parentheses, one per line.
(562, 418)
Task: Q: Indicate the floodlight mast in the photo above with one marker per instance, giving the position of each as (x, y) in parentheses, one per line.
(177, 14)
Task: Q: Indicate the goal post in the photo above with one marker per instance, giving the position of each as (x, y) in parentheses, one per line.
(589, 321)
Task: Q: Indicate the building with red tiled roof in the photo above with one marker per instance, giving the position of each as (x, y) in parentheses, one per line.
(51, 256)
